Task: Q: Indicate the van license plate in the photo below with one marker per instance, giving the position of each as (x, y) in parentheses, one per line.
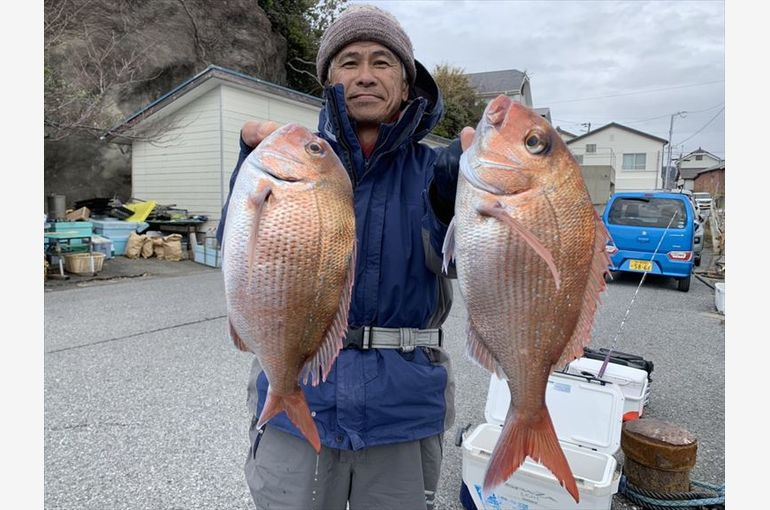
(640, 265)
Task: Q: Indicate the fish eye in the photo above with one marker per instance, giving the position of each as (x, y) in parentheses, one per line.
(314, 148)
(536, 142)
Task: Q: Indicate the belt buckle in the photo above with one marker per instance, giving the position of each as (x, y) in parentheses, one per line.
(354, 338)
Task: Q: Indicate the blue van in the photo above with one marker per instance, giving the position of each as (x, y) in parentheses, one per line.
(641, 223)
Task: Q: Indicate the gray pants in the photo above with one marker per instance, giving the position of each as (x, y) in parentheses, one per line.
(284, 473)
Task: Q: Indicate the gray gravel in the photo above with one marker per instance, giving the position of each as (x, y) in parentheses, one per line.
(145, 401)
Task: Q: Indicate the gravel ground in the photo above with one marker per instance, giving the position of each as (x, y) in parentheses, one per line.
(145, 401)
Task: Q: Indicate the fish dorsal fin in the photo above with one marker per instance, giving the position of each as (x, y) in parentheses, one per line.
(318, 367)
(479, 353)
(497, 211)
(448, 249)
(256, 201)
(595, 284)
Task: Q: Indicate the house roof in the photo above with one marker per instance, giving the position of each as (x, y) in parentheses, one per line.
(692, 173)
(498, 82)
(210, 76)
(701, 151)
(564, 132)
(620, 126)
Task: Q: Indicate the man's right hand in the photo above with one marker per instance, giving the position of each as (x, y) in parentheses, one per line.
(253, 131)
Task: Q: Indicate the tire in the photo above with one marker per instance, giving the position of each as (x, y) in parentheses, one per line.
(697, 261)
(683, 284)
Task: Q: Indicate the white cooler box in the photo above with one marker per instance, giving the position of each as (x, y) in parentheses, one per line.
(587, 415)
(633, 382)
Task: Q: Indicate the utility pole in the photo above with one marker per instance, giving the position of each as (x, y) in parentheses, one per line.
(670, 132)
(587, 125)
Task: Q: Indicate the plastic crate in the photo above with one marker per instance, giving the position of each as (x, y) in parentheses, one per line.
(103, 245)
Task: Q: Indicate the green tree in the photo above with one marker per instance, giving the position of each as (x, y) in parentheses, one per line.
(301, 23)
(461, 107)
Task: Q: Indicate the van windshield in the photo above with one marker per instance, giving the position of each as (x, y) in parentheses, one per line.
(648, 212)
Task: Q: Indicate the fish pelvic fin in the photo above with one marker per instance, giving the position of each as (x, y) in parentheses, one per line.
(530, 436)
(298, 411)
(237, 341)
(497, 211)
(595, 285)
(318, 367)
(478, 352)
(448, 249)
(257, 202)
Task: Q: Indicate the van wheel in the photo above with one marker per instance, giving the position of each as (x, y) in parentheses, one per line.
(683, 284)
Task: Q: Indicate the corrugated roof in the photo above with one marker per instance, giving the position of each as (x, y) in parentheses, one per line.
(615, 124)
(497, 82)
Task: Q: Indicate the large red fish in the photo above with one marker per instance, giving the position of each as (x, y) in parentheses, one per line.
(530, 257)
(288, 264)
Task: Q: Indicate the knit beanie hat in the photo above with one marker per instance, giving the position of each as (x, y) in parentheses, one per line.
(365, 23)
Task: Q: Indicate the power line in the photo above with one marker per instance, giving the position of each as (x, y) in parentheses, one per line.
(636, 92)
(703, 127)
(638, 121)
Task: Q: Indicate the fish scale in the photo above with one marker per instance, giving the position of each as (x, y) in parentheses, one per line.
(288, 259)
(530, 256)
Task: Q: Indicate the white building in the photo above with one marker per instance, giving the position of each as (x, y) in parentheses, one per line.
(190, 165)
(634, 155)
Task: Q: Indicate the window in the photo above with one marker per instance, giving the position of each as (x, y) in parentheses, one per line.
(648, 212)
(699, 157)
(579, 158)
(636, 161)
(590, 147)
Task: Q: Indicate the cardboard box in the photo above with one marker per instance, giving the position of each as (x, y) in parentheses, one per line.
(78, 214)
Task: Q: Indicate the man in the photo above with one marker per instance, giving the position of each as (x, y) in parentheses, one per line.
(390, 395)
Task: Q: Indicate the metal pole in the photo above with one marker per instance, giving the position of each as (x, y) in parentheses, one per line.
(670, 132)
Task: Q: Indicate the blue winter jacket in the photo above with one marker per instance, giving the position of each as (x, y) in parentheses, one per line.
(381, 396)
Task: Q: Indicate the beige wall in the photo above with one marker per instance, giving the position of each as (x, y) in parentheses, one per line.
(182, 168)
(611, 144)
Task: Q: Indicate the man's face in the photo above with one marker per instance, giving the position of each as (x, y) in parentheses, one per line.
(373, 79)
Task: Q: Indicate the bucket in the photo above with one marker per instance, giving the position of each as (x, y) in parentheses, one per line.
(57, 207)
(719, 296)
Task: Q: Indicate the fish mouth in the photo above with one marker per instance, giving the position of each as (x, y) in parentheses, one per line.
(281, 157)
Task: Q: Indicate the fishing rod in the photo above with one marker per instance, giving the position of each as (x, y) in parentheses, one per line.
(633, 298)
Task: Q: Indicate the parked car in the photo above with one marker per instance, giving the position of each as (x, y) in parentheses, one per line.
(697, 241)
(653, 232)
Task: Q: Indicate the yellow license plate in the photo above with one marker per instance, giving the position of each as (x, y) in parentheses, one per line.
(640, 265)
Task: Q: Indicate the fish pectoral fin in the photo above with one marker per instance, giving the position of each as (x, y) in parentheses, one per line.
(595, 284)
(298, 411)
(497, 211)
(317, 368)
(239, 343)
(257, 202)
(448, 249)
(478, 352)
(528, 436)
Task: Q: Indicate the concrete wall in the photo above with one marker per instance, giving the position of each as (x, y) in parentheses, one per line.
(600, 181)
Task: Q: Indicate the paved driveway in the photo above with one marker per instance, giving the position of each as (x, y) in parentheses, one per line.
(145, 401)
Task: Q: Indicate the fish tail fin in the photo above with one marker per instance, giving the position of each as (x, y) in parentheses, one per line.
(296, 407)
(534, 437)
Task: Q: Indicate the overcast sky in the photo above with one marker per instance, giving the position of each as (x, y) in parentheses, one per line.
(631, 62)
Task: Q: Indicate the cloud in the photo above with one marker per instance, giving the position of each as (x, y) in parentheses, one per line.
(584, 49)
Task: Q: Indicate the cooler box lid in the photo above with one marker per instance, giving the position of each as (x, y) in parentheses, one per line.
(585, 412)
